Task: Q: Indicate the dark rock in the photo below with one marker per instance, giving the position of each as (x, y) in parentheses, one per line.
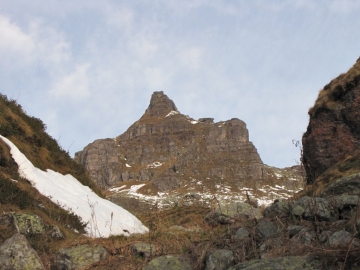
(168, 263)
(214, 218)
(333, 132)
(268, 245)
(289, 263)
(305, 237)
(220, 259)
(16, 253)
(267, 229)
(79, 257)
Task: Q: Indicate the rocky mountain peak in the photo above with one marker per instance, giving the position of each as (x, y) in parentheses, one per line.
(160, 105)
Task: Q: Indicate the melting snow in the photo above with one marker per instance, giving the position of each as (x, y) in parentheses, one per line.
(69, 193)
(194, 122)
(154, 165)
(127, 165)
(172, 113)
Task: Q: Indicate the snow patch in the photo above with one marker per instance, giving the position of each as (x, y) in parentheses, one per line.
(172, 113)
(154, 165)
(67, 192)
(127, 165)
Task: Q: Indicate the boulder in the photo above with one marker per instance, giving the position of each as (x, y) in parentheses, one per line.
(79, 257)
(29, 223)
(289, 263)
(143, 249)
(312, 207)
(345, 185)
(168, 263)
(267, 229)
(294, 230)
(16, 253)
(278, 208)
(238, 209)
(241, 234)
(220, 259)
(340, 239)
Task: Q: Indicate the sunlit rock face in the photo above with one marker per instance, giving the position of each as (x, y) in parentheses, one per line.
(168, 148)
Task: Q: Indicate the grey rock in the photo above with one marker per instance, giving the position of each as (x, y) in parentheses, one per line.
(294, 230)
(288, 263)
(305, 237)
(168, 263)
(267, 229)
(237, 209)
(346, 185)
(55, 232)
(219, 259)
(143, 249)
(79, 257)
(314, 207)
(268, 245)
(16, 253)
(278, 208)
(324, 236)
(241, 234)
(340, 239)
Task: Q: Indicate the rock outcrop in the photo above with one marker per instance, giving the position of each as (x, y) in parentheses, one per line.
(169, 148)
(333, 132)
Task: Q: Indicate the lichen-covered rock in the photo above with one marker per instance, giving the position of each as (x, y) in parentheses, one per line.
(237, 209)
(289, 263)
(278, 208)
(79, 257)
(267, 229)
(16, 253)
(29, 223)
(220, 259)
(305, 237)
(143, 249)
(168, 263)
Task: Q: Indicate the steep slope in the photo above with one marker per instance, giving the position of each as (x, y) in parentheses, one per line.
(166, 151)
(332, 138)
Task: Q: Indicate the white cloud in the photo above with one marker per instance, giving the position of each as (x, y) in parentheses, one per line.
(74, 85)
(191, 58)
(156, 78)
(14, 43)
(121, 17)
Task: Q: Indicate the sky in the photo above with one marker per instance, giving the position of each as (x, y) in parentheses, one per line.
(88, 68)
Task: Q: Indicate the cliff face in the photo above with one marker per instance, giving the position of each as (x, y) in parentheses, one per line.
(168, 148)
(333, 132)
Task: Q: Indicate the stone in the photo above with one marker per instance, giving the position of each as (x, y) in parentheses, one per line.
(268, 245)
(305, 237)
(237, 209)
(340, 239)
(289, 263)
(267, 229)
(55, 232)
(278, 208)
(29, 223)
(143, 249)
(333, 132)
(79, 257)
(314, 207)
(220, 259)
(16, 253)
(345, 185)
(241, 234)
(168, 262)
(294, 230)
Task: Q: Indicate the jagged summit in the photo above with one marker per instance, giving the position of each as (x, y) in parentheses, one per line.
(160, 105)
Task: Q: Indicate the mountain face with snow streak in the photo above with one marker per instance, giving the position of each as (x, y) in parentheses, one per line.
(167, 151)
(103, 217)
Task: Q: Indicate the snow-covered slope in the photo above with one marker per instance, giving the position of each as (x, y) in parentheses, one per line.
(104, 217)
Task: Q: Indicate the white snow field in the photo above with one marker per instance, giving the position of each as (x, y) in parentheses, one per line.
(104, 218)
